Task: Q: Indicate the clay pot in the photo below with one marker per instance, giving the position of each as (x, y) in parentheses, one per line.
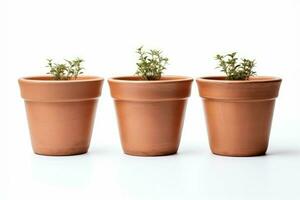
(239, 113)
(150, 113)
(60, 113)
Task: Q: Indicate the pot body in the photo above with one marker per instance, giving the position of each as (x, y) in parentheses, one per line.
(150, 113)
(239, 113)
(60, 114)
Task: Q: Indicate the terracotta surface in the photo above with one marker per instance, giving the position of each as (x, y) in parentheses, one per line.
(150, 113)
(60, 113)
(239, 113)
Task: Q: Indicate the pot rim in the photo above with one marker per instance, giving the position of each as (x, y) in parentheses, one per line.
(254, 79)
(167, 79)
(45, 79)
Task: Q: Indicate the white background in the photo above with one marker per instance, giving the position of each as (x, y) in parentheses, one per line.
(106, 34)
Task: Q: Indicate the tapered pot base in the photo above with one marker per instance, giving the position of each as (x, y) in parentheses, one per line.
(67, 152)
(149, 154)
(239, 154)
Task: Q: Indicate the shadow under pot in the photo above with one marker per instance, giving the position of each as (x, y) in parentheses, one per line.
(60, 113)
(150, 113)
(239, 113)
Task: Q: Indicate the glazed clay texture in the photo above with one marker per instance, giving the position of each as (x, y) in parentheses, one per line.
(239, 113)
(150, 113)
(60, 113)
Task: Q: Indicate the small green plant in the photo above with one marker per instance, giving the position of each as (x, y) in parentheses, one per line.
(65, 71)
(234, 68)
(151, 64)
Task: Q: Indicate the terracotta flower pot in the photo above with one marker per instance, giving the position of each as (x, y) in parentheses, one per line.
(60, 113)
(239, 113)
(150, 113)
